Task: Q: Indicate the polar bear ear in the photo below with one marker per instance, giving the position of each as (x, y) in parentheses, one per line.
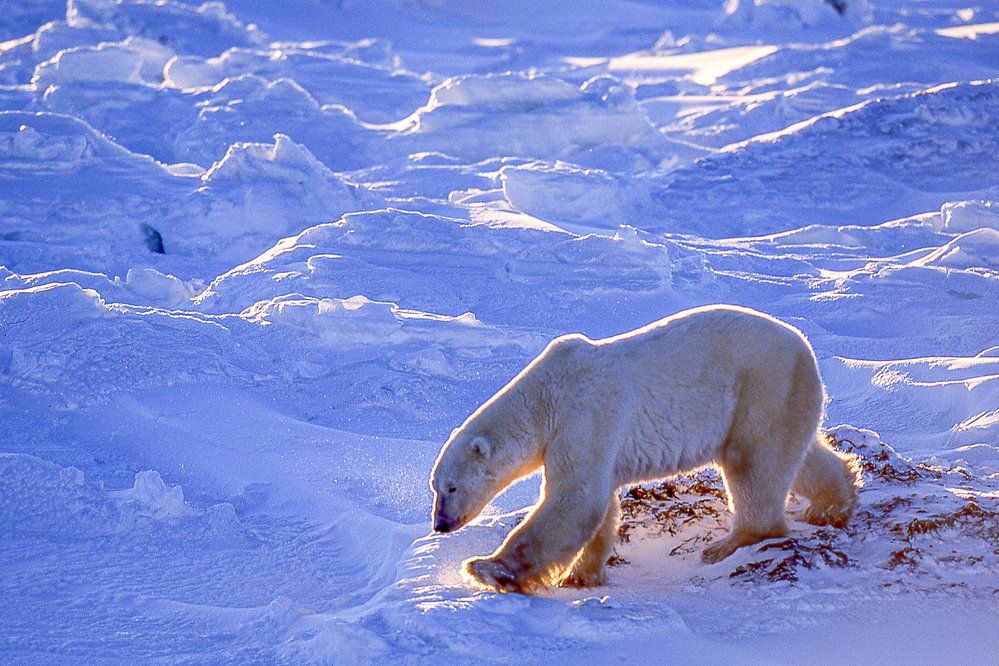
(481, 446)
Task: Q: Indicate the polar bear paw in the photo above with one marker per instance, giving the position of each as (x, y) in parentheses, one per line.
(584, 579)
(494, 574)
(837, 515)
(726, 546)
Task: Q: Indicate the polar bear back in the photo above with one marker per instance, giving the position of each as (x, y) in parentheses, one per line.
(672, 392)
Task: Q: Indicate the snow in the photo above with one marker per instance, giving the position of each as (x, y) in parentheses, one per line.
(258, 259)
(705, 67)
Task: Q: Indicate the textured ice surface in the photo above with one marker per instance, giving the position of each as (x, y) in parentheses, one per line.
(258, 259)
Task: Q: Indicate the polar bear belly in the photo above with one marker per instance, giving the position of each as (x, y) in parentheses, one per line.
(676, 431)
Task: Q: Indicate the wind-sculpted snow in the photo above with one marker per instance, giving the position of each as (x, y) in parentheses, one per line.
(715, 121)
(85, 24)
(199, 126)
(58, 171)
(781, 15)
(959, 393)
(858, 60)
(576, 198)
(509, 274)
(331, 133)
(534, 116)
(962, 216)
(103, 348)
(258, 259)
(374, 93)
(204, 29)
(896, 156)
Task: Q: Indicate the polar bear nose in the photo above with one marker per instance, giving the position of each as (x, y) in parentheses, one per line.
(441, 524)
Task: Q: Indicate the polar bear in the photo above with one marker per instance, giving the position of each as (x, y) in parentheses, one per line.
(720, 385)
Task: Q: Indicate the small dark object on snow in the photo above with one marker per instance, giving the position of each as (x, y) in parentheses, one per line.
(153, 238)
(838, 5)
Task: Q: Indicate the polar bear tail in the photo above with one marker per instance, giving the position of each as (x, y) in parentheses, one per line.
(831, 482)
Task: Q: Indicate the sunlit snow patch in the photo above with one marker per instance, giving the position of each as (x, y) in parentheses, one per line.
(704, 67)
(971, 31)
(530, 115)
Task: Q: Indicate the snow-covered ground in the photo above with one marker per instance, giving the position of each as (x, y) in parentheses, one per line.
(257, 260)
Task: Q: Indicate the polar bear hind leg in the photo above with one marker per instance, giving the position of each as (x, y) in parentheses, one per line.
(830, 481)
(770, 438)
(757, 491)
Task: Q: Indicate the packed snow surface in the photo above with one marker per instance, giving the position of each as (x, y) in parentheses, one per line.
(257, 259)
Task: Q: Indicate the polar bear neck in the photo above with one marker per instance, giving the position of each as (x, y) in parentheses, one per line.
(523, 414)
(511, 422)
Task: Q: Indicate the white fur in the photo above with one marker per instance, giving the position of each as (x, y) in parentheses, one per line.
(719, 384)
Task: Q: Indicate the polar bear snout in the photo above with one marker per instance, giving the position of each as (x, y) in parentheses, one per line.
(443, 524)
(443, 520)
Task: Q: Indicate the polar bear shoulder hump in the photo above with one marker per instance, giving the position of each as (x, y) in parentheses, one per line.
(569, 345)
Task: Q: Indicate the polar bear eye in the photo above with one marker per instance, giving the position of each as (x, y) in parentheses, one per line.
(451, 490)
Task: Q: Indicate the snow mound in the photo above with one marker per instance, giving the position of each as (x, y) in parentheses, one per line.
(167, 26)
(251, 109)
(963, 216)
(373, 93)
(39, 497)
(45, 142)
(134, 60)
(156, 288)
(271, 188)
(505, 92)
(574, 198)
(531, 116)
(282, 160)
(257, 193)
(771, 15)
(150, 496)
(198, 126)
(69, 305)
(975, 249)
(358, 323)
(207, 29)
(920, 149)
(384, 255)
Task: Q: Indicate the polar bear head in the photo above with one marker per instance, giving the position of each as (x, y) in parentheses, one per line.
(464, 479)
(501, 442)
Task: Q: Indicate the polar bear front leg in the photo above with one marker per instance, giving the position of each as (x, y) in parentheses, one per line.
(541, 548)
(575, 500)
(590, 567)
